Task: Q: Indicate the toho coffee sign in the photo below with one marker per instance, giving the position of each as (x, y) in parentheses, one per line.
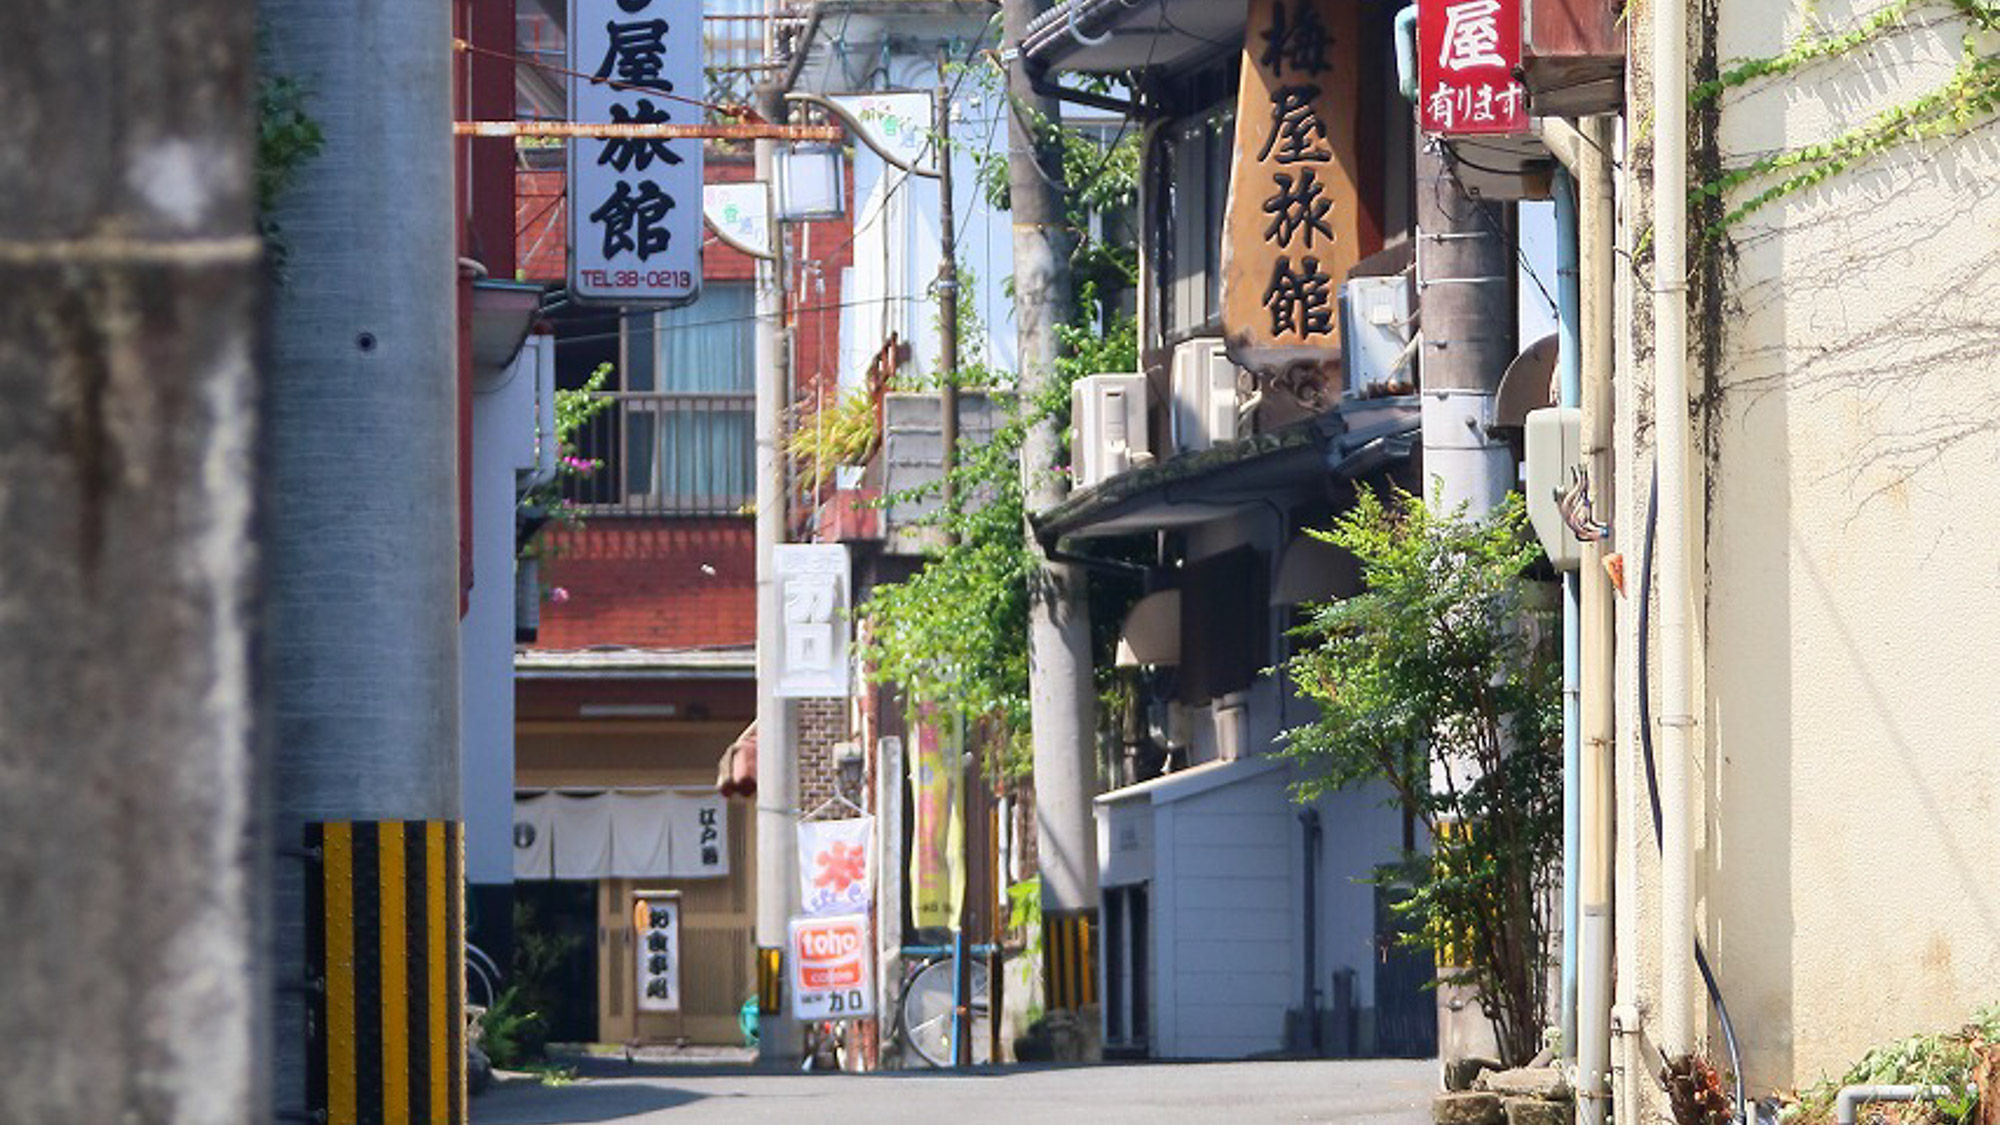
(831, 969)
(1467, 54)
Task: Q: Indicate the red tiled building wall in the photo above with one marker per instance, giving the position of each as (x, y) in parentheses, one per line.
(651, 583)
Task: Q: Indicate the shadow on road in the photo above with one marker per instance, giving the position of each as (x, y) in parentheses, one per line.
(608, 1101)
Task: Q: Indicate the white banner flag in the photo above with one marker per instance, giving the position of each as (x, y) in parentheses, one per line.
(837, 865)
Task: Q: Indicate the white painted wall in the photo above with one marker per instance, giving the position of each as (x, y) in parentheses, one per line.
(1849, 631)
(1361, 832)
(503, 443)
(1223, 851)
(1227, 916)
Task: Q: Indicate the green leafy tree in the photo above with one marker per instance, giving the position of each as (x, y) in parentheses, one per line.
(1436, 681)
(574, 408)
(955, 633)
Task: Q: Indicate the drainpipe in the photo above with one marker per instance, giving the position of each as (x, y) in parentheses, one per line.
(1406, 53)
(1309, 821)
(1595, 222)
(1848, 1103)
(1677, 566)
(1569, 371)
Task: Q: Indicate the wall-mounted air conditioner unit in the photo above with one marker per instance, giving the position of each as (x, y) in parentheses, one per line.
(1109, 413)
(1206, 409)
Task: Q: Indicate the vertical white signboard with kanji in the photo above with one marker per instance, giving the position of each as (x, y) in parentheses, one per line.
(656, 931)
(635, 203)
(812, 620)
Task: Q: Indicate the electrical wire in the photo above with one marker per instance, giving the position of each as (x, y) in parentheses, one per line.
(904, 177)
(1451, 162)
(1653, 781)
(635, 314)
(522, 60)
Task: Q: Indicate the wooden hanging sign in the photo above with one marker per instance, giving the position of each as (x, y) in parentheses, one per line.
(1294, 224)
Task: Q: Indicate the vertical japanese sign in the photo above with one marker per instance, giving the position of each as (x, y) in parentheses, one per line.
(656, 929)
(700, 842)
(1467, 53)
(832, 976)
(1295, 220)
(812, 619)
(635, 204)
(937, 878)
(836, 865)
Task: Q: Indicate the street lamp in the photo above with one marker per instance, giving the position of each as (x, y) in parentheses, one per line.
(848, 761)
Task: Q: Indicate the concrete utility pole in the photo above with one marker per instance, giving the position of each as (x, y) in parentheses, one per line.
(974, 914)
(132, 976)
(1465, 283)
(1058, 613)
(361, 485)
(777, 772)
(1465, 286)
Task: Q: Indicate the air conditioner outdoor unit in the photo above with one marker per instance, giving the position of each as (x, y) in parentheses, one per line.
(1109, 413)
(1206, 411)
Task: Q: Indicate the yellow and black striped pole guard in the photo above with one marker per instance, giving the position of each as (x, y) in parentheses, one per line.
(1071, 961)
(386, 943)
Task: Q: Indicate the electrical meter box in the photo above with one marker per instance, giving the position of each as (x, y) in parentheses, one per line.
(1554, 453)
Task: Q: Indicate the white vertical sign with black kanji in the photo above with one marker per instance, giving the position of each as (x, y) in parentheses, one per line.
(656, 933)
(812, 619)
(635, 203)
(700, 836)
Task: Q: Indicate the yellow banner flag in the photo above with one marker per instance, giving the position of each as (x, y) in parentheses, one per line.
(937, 849)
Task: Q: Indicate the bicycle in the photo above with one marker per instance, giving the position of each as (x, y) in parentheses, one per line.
(924, 1006)
(825, 1045)
(482, 977)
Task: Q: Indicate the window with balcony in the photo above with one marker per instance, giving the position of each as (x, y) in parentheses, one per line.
(676, 438)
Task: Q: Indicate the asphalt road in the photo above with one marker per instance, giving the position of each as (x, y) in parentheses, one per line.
(1385, 1092)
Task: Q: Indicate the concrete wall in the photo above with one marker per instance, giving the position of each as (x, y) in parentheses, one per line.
(1849, 630)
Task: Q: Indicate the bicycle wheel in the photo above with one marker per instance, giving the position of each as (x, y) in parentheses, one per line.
(926, 1013)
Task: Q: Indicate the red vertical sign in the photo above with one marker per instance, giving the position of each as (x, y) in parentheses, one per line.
(1467, 53)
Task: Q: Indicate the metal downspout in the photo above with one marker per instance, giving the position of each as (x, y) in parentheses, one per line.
(1595, 223)
(1569, 371)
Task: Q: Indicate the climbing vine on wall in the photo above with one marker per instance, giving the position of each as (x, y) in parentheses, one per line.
(1967, 98)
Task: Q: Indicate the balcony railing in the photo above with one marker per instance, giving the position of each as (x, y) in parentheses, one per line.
(666, 454)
